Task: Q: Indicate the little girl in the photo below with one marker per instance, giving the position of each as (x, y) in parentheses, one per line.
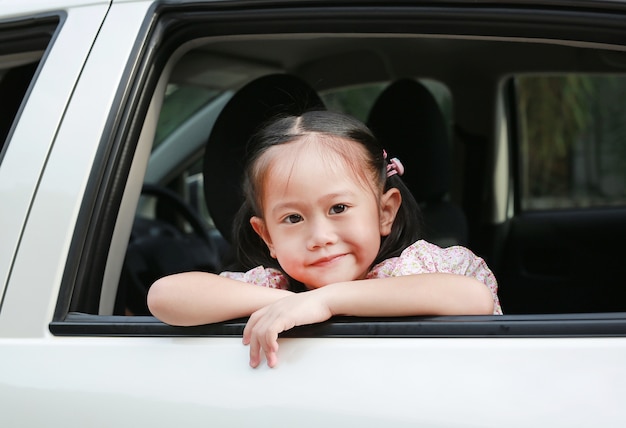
(325, 211)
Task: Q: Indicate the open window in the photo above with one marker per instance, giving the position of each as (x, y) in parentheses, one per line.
(196, 68)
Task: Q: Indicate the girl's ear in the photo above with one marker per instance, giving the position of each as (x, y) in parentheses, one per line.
(389, 205)
(259, 227)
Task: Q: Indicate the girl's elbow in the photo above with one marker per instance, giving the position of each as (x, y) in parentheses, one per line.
(159, 299)
(485, 307)
(484, 304)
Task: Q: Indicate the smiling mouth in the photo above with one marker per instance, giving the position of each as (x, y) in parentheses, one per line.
(325, 261)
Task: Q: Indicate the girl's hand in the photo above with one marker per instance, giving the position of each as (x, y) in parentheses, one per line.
(420, 294)
(261, 331)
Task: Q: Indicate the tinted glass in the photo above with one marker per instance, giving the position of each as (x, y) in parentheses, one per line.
(573, 140)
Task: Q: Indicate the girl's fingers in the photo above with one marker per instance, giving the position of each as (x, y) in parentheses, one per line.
(262, 337)
(250, 325)
(271, 347)
(272, 359)
(246, 334)
(255, 354)
(267, 343)
(250, 339)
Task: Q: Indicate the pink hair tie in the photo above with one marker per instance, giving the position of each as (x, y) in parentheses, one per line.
(394, 166)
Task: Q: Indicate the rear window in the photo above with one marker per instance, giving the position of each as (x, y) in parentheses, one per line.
(358, 100)
(573, 140)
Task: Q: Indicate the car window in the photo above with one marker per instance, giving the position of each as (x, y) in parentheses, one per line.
(190, 94)
(358, 100)
(354, 100)
(22, 44)
(180, 103)
(572, 135)
(14, 82)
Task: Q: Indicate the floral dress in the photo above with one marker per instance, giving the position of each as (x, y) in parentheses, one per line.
(420, 257)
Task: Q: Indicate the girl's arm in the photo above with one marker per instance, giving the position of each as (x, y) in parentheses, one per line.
(423, 294)
(196, 298)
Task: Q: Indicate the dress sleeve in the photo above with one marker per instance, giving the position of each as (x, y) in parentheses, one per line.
(424, 257)
(264, 277)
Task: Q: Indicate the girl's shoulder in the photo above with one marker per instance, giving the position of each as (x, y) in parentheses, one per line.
(261, 276)
(425, 257)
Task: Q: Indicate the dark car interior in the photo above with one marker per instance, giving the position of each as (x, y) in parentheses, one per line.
(546, 262)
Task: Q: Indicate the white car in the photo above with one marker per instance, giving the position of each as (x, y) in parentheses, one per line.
(114, 133)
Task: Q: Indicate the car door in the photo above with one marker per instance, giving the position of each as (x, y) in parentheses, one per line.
(81, 363)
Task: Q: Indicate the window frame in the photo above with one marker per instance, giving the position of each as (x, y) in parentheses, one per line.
(493, 326)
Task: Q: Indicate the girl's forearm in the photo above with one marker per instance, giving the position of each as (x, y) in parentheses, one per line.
(423, 294)
(196, 298)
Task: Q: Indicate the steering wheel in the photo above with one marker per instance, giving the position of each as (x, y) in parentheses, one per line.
(160, 247)
(168, 198)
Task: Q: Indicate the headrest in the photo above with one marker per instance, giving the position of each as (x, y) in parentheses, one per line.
(410, 126)
(246, 111)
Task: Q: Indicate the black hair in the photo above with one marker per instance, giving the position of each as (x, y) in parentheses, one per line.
(251, 251)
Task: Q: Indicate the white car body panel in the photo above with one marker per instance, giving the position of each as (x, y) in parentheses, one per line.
(125, 382)
(28, 149)
(46, 380)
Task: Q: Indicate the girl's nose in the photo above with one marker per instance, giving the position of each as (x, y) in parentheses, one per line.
(321, 234)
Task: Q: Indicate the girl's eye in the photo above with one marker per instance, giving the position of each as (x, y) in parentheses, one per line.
(293, 218)
(338, 209)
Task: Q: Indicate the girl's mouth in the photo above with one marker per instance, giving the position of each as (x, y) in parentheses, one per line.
(326, 261)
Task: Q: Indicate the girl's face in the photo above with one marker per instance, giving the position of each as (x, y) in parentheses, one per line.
(322, 223)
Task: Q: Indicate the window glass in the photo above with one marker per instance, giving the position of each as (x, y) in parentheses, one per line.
(180, 103)
(14, 82)
(573, 140)
(358, 100)
(22, 44)
(353, 100)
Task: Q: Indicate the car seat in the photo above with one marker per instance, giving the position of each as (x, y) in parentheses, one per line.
(408, 122)
(245, 112)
